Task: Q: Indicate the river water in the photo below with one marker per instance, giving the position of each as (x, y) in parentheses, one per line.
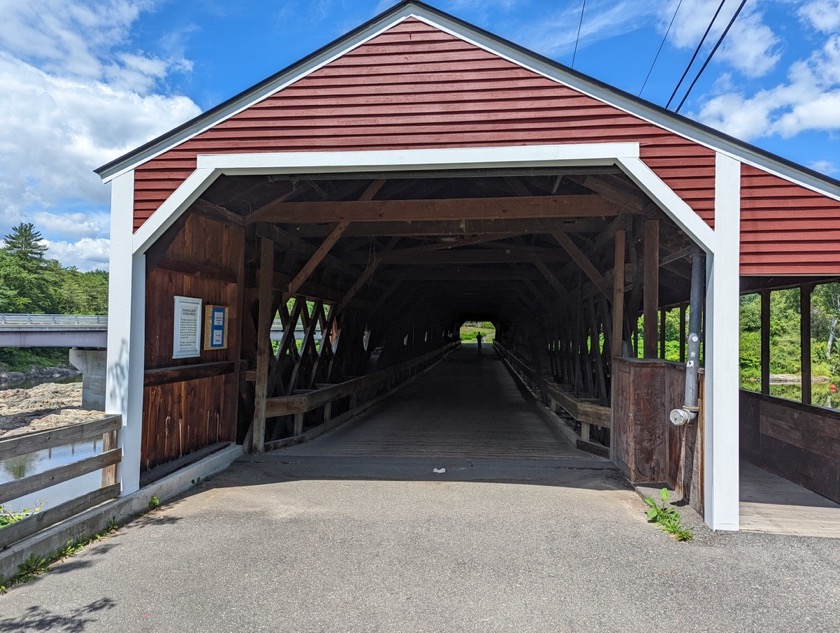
(33, 463)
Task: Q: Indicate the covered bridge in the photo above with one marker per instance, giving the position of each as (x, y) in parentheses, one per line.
(420, 172)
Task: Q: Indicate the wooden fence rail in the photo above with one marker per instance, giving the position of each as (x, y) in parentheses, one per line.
(584, 410)
(107, 428)
(362, 391)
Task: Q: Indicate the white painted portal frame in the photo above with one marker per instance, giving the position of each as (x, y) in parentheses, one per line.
(722, 253)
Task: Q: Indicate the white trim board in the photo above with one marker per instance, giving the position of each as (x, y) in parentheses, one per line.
(622, 155)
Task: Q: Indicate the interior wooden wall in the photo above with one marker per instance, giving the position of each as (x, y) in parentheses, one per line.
(796, 441)
(191, 403)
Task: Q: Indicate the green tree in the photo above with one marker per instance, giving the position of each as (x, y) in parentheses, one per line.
(25, 244)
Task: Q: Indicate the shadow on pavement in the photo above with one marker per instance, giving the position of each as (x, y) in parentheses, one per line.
(38, 618)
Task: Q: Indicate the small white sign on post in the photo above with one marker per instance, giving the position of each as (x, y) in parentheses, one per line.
(186, 341)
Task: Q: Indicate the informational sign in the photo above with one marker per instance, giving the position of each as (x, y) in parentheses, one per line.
(187, 336)
(215, 327)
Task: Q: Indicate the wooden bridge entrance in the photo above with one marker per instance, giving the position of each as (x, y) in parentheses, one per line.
(420, 172)
(468, 406)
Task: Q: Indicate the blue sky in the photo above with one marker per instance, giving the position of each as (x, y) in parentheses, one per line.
(84, 82)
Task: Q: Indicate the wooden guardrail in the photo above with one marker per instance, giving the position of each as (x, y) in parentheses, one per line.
(584, 410)
(363, 391)
(107, 428)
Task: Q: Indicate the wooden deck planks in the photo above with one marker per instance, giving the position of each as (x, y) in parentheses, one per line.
(772, 504)
(468, 407)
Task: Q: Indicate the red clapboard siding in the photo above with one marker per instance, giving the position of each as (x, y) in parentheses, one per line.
(786, 229)
(415, 86)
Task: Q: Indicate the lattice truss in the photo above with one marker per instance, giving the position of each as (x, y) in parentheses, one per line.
(305, 353)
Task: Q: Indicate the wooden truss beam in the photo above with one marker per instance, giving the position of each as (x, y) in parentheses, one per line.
(366, 275)
(316, 258)
(455, 228)
(501, 208)
(581, 260)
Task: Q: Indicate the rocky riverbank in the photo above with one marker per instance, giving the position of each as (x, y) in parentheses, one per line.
(42, 407)
(36, 374)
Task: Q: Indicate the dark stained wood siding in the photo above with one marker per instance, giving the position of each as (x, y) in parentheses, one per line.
(786, 229)
(417, 87)
(646, 446)
(192, 408)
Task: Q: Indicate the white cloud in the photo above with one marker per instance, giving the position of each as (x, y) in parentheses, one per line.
(822, 15)
(808, 101)
(87, 254)
(555, 34)
(75, 95)
(751, 46)
(825, 167)
(75, 225)
(56, 130)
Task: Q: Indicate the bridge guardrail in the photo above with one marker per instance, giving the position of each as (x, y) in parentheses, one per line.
(94, 321)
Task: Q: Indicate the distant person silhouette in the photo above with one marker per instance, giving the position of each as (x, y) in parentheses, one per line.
(478, 338)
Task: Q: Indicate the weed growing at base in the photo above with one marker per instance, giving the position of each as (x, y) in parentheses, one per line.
(37, 565)
(667, 518)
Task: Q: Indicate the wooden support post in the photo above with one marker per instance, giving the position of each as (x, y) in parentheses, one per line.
(805, 340)
(265, 291)
(600, 370)
(765, 342)
(662, 314)
(682, 332)
(298, 430)
(651, 286)
(618, 294)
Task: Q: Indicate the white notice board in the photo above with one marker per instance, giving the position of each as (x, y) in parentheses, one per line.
(186, 342)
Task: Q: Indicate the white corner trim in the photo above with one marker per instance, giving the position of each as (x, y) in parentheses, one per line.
(582, 154)
(187, 193)
(721, 440)
(674, 206)
(126, 332)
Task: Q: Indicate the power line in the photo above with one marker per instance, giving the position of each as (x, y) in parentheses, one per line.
(696, 51)
(577, 39)
(642, 89)
(714, 50)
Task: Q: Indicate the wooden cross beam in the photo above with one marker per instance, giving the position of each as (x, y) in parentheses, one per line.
(316, 258)
(455, 228)
(581, 260)
(552, 280)
(501, 208)
(366, 275)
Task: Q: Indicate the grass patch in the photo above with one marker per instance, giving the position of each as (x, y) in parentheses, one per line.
(22, 359)
(668, 519)
(7, 517)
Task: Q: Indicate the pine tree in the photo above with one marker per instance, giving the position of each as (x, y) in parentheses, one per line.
(24, 243)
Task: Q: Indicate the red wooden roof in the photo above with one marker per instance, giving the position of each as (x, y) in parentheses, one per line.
(415, 85)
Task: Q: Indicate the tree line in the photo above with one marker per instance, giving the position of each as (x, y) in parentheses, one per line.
(30, 282)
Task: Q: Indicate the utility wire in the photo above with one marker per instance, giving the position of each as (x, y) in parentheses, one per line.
(714, 50)
(642, 89)
(696, 51)
(577, 39)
